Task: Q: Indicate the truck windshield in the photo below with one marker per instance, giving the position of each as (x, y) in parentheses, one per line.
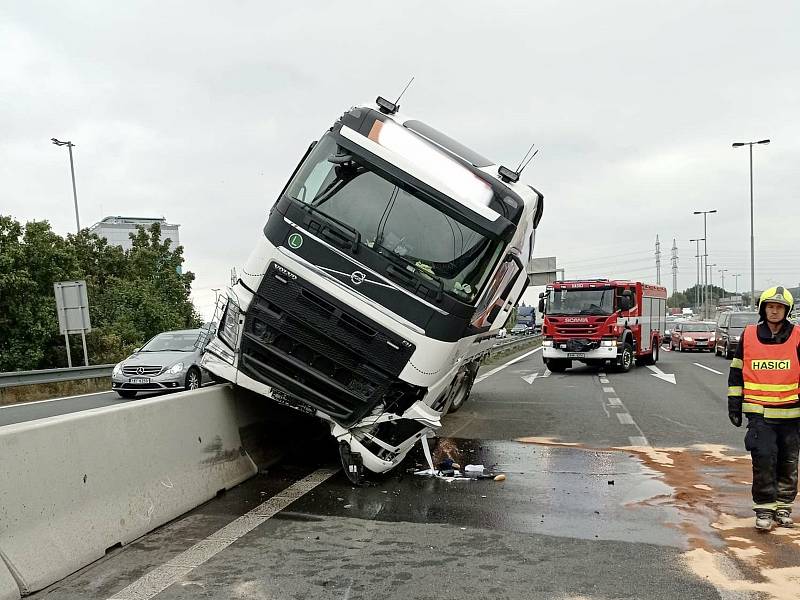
(580, 302)
(395, 220)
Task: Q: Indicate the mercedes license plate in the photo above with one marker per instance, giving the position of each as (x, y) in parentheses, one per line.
(576, 355)
(140, 380)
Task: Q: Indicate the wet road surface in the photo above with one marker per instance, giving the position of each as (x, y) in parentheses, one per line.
(618, 486)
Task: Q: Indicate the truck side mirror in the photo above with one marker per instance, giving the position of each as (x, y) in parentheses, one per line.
(541, 305)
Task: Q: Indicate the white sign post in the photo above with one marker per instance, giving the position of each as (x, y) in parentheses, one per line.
(72, 305)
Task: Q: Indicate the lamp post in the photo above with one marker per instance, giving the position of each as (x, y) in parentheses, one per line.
(705, 213)
(69, 146)
(697, 256)
(752, 237)
(722, 274)
(710, 277)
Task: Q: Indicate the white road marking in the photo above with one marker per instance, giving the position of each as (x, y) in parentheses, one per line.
(656, 372)
(614, 402)
(709, 369)
(601, 374)
(509, 363)
(534, 376)
(608, 390)
(604, 380)
(160, 578)
(638, 440)
(625, 419)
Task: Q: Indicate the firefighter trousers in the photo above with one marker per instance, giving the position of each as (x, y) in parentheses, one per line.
(774, 451)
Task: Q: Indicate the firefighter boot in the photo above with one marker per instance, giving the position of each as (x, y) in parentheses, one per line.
(764, 519)
(783, 517)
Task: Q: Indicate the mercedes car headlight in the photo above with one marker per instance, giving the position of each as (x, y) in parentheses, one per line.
(117, 369)
(175, 369)
(688, 338)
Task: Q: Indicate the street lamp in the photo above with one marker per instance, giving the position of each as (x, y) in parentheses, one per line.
(697, 256)
(736, 277)
(722, 273)
(710, 277)
(752, 239)
(69, 146)
(705, 213)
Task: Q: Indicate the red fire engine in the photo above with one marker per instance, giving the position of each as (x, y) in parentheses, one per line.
(602, 322)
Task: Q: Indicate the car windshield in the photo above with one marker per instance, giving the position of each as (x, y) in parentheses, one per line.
(567, 301)
(743, 319)
(174, 341)
(695, 327)
(395, 220)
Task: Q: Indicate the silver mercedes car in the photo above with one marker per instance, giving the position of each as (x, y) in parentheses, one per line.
(169, 361)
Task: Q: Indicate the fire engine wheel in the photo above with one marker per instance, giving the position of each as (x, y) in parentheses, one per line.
(626, 358)
(558, 365)
(652, 358)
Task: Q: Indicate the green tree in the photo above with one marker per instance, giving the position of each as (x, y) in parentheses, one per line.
(133, 295)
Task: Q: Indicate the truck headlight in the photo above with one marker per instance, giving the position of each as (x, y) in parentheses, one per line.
(117, 369)
(547, 343)
(229, 326)
(175, 369)
(608, 343)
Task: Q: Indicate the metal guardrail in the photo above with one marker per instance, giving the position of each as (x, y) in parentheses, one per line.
(16, 378)
(517, 340)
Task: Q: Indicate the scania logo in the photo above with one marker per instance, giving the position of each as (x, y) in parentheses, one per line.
(357, 277)
(139, 370)
(576, 320)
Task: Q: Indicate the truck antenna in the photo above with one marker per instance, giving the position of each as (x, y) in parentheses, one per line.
(403, 92)
(527, 162)
(524, 157)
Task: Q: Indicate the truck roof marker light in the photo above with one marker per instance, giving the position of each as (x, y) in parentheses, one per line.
(387, 107)
(436, 164)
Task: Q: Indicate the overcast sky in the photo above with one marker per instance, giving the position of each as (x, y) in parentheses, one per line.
(199, 112)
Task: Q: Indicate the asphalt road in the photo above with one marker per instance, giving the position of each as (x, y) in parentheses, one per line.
(618, 486)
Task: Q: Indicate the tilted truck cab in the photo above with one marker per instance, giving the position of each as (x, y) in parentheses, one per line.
(386, 267)
(602, 322)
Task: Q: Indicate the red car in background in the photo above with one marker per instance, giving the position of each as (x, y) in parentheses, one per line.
(692, 335)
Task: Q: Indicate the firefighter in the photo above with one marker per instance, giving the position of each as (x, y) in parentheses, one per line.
(763, 384)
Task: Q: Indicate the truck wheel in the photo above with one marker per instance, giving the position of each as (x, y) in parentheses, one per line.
(652, 358)
(626, 358)
(558, 365)
(463, 389)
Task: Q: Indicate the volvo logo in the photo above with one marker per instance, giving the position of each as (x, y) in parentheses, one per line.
(357, 277)
(139, 370)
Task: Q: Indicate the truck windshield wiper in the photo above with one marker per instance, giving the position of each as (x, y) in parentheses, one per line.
(334, 230)
(409, 276)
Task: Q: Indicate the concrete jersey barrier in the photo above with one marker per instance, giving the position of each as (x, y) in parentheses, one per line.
(73, 486)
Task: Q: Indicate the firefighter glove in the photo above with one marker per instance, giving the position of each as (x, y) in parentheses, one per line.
(735, 410)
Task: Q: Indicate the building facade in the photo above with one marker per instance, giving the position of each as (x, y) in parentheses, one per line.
(117, 230)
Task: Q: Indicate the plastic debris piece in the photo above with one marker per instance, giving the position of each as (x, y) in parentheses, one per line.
(456, 466)
(348, 506)
(474, 469)
(500, 477)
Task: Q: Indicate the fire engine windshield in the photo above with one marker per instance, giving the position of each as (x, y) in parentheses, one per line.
(595, 301)
(395, 220)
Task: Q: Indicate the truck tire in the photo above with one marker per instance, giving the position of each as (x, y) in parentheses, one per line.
(626, 358)
(462, 391)
(558, 365)
(652, 358)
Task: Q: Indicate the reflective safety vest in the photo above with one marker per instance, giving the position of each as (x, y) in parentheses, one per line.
(771, 376)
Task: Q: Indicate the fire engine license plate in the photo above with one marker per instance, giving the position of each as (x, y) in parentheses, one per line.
(575, 355)
(140, 380)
